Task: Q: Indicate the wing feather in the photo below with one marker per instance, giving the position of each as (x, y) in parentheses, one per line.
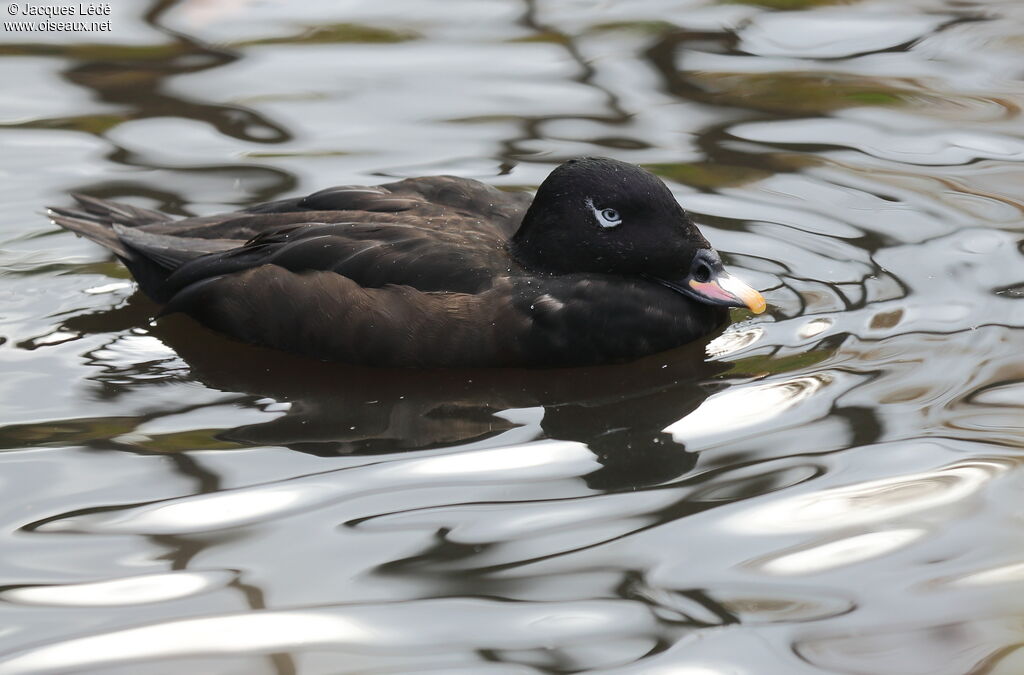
(369, 254)
(328, 316)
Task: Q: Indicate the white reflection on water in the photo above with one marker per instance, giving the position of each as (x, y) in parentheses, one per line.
(383, 629)
(254, 632)
(546, 460)
(103, 289)
(134, 590)
(829, 34)
(878, 139)
(512, 460)
(672, 669)
(1005, 395)
(871, 501)
(837, 553)
(202, 513)
(1012, 573)
(733, 340)
(814, 327)
(741, 407)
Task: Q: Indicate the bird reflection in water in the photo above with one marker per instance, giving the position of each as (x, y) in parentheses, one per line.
(618, 411)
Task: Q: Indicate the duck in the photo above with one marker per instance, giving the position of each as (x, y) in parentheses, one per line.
(601, 265)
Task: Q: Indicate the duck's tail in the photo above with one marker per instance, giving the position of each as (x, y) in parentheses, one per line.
(149, 256)
(95, 220)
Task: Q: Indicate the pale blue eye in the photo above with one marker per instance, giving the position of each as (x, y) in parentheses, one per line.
(605, 217)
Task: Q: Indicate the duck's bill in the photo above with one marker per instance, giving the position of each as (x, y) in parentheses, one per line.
(727, 290)
(722, 289)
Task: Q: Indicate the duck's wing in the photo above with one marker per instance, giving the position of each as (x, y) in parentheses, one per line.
(434, 233)
(330, 317)
(370, 254)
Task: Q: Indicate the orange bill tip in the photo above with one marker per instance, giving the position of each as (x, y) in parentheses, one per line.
(729, 290)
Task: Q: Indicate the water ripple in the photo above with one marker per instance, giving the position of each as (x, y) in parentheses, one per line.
(833, 33)
(382, 630)
(886, 140)
(871, 501)
(258, 504)
(723, 415)
(117, 592)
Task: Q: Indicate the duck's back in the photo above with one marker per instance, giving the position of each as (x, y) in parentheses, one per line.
(442, 203)
(434, 234)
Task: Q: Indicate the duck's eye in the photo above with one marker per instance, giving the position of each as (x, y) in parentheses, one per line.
(702, 273)
(608, 217)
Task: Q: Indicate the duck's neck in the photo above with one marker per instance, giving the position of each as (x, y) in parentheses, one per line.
(525, 250)
(542, 247)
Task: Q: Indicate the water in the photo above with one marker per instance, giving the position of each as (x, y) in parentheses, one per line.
(831, 487)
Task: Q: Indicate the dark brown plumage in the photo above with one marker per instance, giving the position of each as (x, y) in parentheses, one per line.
(602, 265)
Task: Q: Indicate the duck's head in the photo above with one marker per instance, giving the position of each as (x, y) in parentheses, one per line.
(600, 215)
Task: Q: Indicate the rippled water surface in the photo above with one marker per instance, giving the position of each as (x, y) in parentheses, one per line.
(831, 487)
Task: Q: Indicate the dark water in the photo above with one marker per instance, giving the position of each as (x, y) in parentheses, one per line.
(834, 488)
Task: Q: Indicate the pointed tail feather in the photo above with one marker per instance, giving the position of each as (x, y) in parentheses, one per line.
(95, 218)
(81, 224)
(116, 212)
(150, 257)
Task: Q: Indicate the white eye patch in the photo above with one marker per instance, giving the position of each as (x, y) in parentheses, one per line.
(605, 217)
